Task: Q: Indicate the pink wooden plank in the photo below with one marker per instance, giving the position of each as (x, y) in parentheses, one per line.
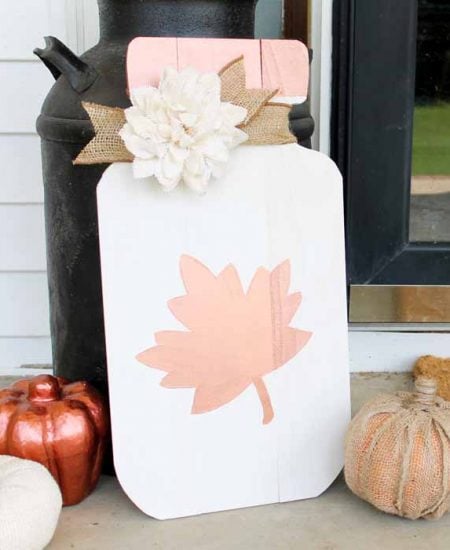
(147, 57)
(211, 54)
(285, 65)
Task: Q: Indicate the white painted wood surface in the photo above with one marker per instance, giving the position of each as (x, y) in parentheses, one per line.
(22, 238)
(26, 85)
(25, 22)
(21, 181)
(24, 304)
(24, 325)
(88, 27)
(372, 351)
(32, 350)
(274, 203)
(321, 71)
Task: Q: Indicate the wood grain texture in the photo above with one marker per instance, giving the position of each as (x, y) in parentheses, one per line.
(273, 64)
(146, 59)
(258, 214)
(213, 54)
(285, 65)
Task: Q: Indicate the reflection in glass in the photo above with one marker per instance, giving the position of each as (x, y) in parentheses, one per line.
(430, 187)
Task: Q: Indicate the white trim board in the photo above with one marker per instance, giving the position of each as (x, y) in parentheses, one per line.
(399, 327)
(17, 354)
(394, 351)
(82, 23)
(321, 72)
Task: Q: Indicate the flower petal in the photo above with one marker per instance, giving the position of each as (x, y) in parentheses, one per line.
(196, 182)
(214, 148)
(137, 145)
(144, 168)
(233, 114)
(145, 98)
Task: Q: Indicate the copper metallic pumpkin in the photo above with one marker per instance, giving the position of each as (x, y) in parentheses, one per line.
(59, 424)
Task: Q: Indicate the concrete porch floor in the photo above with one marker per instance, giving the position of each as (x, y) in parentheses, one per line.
(337, 520)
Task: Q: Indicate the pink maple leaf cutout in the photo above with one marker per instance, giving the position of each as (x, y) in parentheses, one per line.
(233, 339)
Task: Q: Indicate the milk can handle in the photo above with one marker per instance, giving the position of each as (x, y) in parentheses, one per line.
(60, 60)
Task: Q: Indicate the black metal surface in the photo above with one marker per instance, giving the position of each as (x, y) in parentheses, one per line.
(373, 104)
(70, 191)
(206, 18)
(433, 61)
(60, 60)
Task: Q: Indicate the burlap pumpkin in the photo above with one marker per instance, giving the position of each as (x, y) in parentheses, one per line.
(397, 454)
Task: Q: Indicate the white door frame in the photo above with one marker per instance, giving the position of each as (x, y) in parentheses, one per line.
(321, 71)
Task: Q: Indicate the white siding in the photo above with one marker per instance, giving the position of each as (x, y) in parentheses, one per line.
(25, 22)
(24, 305)
(21, 181)
(22, 238)
(30, 351)
(24, 324)
(378, 351)
(24, 87)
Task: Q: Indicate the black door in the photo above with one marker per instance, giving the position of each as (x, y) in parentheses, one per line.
(391, 139)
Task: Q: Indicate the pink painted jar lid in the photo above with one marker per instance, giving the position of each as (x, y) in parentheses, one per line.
(269, 64)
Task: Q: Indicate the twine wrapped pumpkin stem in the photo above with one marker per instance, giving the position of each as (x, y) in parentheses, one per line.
(426, 389)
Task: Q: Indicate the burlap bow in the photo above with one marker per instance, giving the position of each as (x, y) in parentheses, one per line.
(266, 123)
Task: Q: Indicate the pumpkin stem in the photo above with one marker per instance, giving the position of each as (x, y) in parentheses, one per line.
(426, 389)
(264, 397)
(44, 388)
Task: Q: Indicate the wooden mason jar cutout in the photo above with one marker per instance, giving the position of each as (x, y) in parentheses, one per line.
(274, 203)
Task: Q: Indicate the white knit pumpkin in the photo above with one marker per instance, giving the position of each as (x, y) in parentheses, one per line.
(30, 504)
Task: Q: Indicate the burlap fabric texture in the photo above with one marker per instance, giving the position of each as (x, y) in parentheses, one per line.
(397, 454)
(267, 122)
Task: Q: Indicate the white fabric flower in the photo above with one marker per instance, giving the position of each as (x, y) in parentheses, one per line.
(182, 131)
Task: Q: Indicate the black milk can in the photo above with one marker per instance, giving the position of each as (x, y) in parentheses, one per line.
(99, 75)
